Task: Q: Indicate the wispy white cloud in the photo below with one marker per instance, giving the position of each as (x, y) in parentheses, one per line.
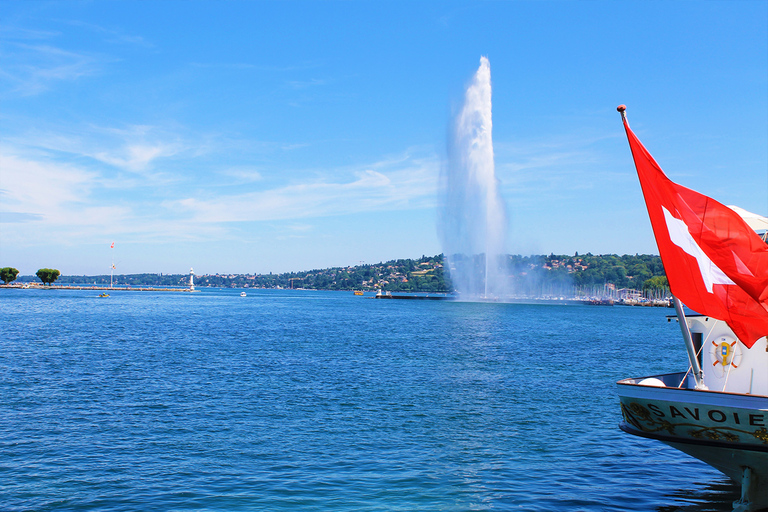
(291, 147)
(33, 62)
(133, 149)
(137, 157)
(293, 231)
(242, 174)
(50, 190)
(18, 217)
(392, 184)
(55, 196)
(536, 168)
(113, 35)
(43, 201)
(10, 32)
(55, 188)
(30, 69)
(38, 187)
(304, 84)
(299, 228)
(300, 66)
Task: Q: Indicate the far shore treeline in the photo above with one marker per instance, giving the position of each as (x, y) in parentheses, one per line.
(529, 275)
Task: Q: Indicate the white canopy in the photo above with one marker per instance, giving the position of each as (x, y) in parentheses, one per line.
(753, 220)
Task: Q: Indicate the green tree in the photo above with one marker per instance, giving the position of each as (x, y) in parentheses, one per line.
(8, 274)
(48, 275)
(656, 284)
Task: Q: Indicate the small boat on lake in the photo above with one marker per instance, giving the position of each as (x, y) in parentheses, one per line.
(717, 265)
(242, 294)
(103, 295)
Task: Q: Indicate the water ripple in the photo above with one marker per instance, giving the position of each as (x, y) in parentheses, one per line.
(325, 401)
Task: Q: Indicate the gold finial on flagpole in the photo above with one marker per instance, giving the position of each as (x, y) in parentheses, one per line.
(623, 110)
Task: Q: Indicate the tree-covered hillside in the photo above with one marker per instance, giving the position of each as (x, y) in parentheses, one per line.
(529, 275)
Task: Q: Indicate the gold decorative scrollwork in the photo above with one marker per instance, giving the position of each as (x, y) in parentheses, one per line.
(715, 433)
(642, 419)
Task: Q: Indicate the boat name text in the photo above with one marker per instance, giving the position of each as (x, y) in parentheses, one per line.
(757, 420)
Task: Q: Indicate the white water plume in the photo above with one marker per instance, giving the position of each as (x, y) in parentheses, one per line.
(473, 222)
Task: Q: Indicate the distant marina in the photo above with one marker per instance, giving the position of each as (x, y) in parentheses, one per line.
(659, 303)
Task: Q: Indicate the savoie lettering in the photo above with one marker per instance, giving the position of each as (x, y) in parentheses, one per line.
(715, 415)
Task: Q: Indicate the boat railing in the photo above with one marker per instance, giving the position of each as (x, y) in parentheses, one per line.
(682, 380)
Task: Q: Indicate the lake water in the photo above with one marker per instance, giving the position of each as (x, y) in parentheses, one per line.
(301, 400)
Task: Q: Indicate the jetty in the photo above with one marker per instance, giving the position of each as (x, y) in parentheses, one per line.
(36, 286)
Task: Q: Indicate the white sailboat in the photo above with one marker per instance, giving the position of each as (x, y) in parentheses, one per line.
(717, 265)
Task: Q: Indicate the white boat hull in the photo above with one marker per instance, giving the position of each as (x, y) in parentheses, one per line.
(728, 431)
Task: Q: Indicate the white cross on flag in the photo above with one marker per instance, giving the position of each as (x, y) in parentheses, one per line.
(715, 263)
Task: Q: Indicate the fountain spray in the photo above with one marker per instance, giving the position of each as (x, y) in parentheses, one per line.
(473, 222)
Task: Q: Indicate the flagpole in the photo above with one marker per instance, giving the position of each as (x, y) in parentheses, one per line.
(698, 375)
(112, 266)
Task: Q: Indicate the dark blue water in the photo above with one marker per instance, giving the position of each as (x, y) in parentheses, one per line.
(298, 400)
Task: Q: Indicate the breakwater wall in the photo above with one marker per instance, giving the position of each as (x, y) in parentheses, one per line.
(97, 288)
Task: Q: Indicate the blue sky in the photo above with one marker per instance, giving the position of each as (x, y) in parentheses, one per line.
(256, 137)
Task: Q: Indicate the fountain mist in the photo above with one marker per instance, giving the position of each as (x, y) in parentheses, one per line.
(473, 222)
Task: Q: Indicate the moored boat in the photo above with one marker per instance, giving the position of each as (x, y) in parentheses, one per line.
(717, 265)
(723, 423)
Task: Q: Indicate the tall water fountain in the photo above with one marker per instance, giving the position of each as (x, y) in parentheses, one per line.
(473, 221)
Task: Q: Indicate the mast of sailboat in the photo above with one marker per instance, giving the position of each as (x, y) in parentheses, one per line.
(698, 375)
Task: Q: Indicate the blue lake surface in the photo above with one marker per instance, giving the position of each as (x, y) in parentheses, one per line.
(302, 400)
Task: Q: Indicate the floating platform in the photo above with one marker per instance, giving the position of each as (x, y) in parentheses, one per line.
(413, 297)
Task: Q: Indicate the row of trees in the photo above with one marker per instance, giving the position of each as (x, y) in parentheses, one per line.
(627, 271)
(46, 275)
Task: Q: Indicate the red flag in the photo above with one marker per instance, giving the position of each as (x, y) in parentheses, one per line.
(715, 263)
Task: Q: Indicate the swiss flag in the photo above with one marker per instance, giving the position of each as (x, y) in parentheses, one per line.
(715, 263)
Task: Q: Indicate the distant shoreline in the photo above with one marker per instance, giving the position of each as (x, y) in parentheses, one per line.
(587, 275)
